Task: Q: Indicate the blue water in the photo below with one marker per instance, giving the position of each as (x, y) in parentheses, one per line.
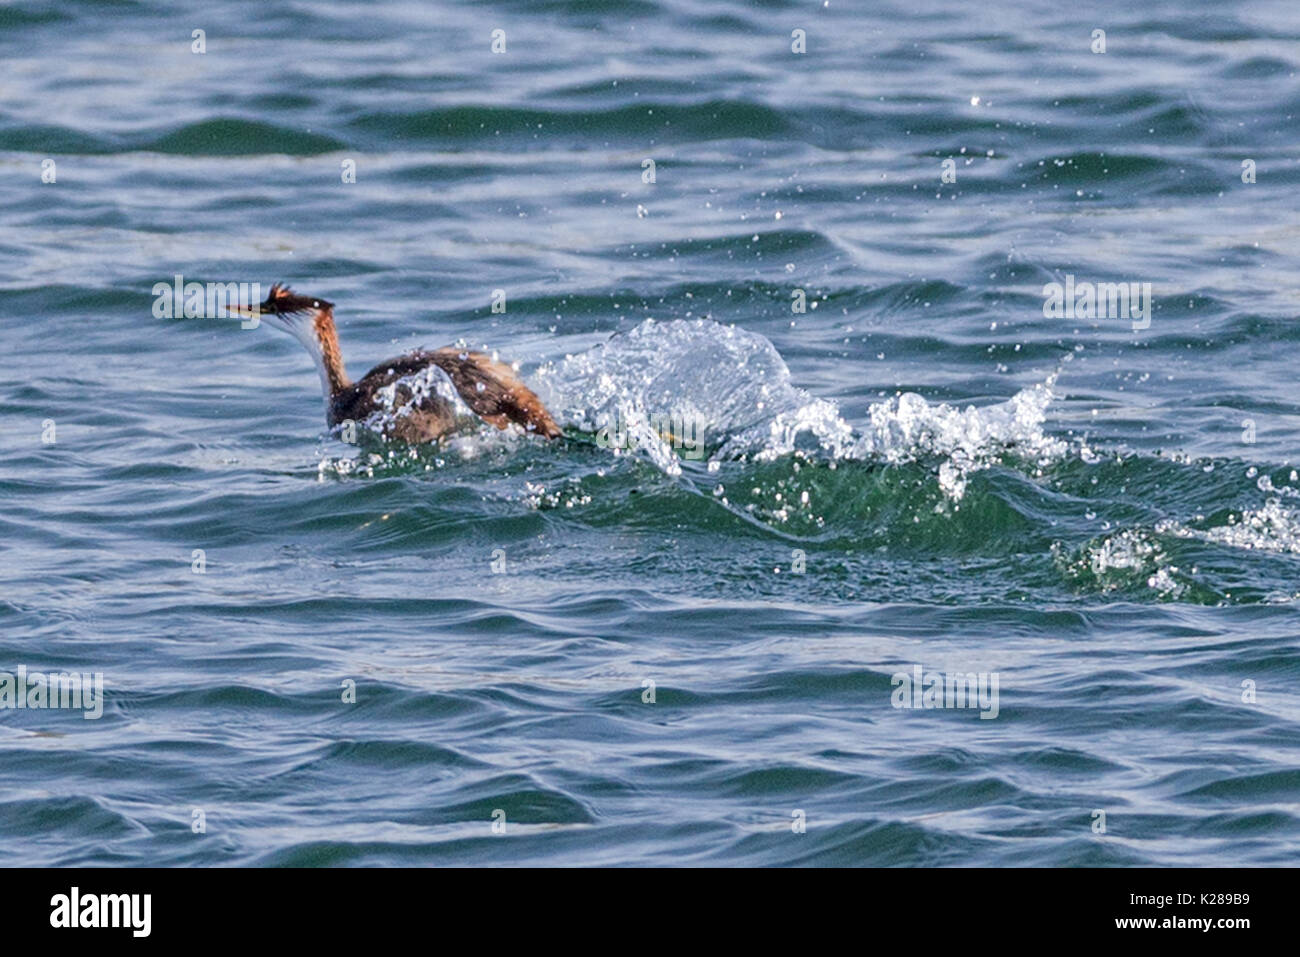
(684, 660)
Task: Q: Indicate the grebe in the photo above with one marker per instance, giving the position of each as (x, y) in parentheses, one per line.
(416, 414)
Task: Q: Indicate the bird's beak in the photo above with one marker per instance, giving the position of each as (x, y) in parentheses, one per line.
(253, 313)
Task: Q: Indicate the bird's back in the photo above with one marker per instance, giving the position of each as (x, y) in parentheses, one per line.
(490, 388)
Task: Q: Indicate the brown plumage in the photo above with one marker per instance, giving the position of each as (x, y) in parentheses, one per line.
(416, 414)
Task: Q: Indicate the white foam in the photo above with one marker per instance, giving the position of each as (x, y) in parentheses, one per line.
(1271, 528)
(737, 385)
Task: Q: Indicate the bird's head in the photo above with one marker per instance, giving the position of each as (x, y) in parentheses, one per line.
(289, 312)
(311, 322)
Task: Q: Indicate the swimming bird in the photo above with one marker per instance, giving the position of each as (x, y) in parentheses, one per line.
(404, 391)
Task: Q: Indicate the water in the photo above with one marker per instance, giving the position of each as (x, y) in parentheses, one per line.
(920, 469)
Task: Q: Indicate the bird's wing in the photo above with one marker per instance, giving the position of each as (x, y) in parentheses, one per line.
(493, 391)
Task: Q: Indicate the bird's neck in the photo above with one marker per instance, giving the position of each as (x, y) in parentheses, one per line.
(333, 376)
(319, 338)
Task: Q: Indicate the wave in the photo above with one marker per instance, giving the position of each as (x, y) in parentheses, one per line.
(713, 411)
(738, 393)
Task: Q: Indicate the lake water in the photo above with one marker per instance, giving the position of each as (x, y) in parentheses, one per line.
(569, 654)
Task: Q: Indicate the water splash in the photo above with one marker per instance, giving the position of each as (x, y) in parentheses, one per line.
(401, 397)
(907, 429)
(1130, 558)
(1170, 557)
(775, 455)
(731, 383)
(1271, 528)
(737, 386)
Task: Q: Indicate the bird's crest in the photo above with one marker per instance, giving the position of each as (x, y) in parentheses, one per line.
(284, 300)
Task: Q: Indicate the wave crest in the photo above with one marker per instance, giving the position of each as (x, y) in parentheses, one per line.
(737, 386)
